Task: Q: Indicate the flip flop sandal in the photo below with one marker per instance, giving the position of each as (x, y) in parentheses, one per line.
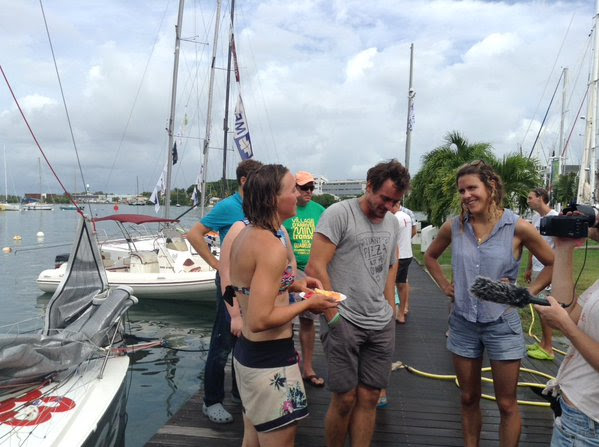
(382, 403)
(312, 381)
(217, 413)
(540, 354)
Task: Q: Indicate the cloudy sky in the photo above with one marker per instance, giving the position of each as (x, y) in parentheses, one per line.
(324, 83)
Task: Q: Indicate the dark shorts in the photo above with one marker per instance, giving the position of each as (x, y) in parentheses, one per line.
(502, 338)
(357, 356)
(402, 270)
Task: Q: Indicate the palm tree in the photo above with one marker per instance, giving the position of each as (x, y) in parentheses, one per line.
(520, 175)
(434, 188)
(565, 189)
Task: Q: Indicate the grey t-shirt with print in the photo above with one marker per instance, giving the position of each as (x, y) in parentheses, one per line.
(360, 267)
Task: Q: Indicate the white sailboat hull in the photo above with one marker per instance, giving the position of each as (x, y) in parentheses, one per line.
(63, 413)
(37, 207)
(9, 207)
(186, 286)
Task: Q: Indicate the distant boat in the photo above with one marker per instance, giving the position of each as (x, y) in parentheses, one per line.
(71, 207)
(36, 206)
(159, 265)
(5, 206)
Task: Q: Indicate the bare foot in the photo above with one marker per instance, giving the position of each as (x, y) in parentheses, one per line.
(401, 319)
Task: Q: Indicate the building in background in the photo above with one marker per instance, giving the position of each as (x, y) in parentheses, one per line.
(344, 188)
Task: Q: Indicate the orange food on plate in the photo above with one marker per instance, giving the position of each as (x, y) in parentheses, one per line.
(336, 295)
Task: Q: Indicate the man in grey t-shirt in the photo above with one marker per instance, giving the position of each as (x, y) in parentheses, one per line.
(354, 252)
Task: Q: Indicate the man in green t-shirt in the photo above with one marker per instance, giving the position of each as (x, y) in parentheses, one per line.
(301, 231)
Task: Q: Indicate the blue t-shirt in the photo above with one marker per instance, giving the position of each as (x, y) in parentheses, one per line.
(224, 215)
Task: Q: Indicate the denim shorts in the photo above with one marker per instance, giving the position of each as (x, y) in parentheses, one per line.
(502, 338)
(574, 429)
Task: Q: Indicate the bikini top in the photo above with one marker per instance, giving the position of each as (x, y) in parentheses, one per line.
(287, 278)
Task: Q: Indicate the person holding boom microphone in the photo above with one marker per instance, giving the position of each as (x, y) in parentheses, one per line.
(486, 240)
(578, 376)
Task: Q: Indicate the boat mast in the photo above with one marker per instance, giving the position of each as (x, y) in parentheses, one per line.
(586, 176)
(561, 126)
(226, 119)
(209, 112)
(39, 171)
(410, 118)
(171, 120)
(5, 178)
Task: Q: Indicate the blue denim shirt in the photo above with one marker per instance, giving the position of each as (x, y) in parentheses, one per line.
(494, 259)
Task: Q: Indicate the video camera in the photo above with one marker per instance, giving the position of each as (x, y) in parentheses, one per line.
(570, 226)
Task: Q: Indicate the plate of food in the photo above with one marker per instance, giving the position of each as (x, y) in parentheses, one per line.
(338, 296)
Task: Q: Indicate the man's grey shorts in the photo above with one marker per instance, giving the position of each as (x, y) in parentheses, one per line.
(501, 338)
(357, 356)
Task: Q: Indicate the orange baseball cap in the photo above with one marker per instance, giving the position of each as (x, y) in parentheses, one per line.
(303, 177)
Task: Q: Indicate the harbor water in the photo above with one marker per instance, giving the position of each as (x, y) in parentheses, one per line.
(160, 379)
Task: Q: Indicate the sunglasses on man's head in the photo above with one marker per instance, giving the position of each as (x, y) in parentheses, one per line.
(306, 187)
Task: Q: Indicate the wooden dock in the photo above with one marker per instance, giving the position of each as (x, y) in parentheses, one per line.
(422, 411)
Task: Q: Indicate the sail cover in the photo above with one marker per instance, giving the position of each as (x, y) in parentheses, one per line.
(80, 319)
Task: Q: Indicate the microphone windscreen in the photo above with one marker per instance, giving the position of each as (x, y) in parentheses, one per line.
(500, 292)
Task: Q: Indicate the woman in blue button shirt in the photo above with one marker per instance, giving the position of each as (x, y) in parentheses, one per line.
(486, 240)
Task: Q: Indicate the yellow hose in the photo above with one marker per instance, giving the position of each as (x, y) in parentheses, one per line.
(453, 377)
(530, 334)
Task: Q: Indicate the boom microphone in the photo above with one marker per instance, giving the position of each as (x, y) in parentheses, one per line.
(504, 293)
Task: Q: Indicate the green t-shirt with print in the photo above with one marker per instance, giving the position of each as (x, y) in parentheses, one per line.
(301, 231)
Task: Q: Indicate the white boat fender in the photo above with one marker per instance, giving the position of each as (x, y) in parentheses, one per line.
(6, 250)
(17, 237)
(40, 234)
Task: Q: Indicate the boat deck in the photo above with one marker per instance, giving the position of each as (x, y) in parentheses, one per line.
(422, 411)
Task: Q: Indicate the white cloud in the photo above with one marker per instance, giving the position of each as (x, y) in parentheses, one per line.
(358, 65)
(324, 83)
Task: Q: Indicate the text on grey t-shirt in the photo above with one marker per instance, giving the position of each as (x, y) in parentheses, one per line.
(364, 253)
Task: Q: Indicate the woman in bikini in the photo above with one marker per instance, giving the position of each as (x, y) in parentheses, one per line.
(266, 363)
(486, 240)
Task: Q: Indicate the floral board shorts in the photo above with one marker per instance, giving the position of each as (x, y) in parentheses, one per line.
(270, 383)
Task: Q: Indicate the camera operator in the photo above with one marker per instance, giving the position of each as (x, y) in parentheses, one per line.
(578, 376)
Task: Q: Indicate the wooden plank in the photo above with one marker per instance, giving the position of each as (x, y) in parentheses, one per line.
(421, 411)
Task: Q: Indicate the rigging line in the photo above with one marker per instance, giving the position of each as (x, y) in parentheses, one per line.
(575, 122)
(546, 113)
(579, 72)
(143, 76)
(261, 92)
(66, 110)
(548, 79)
(38, 144)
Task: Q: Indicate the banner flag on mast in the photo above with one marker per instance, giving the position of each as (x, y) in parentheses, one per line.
(160, 188)
(197, 189)
(411, 116)
(242, 132)
(234, 53)
(175, 155)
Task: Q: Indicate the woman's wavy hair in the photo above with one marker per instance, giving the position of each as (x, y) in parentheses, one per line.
(492, 182)
(260, 193)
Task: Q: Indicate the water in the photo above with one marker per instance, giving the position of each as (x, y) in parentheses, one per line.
(160, 380)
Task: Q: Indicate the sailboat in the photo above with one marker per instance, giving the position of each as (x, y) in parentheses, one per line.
(37, 205)
(5, 206)
(160, 264)
(154, 264)
(58, 387)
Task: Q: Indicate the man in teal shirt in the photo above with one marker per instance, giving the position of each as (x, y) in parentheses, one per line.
(301, 231)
